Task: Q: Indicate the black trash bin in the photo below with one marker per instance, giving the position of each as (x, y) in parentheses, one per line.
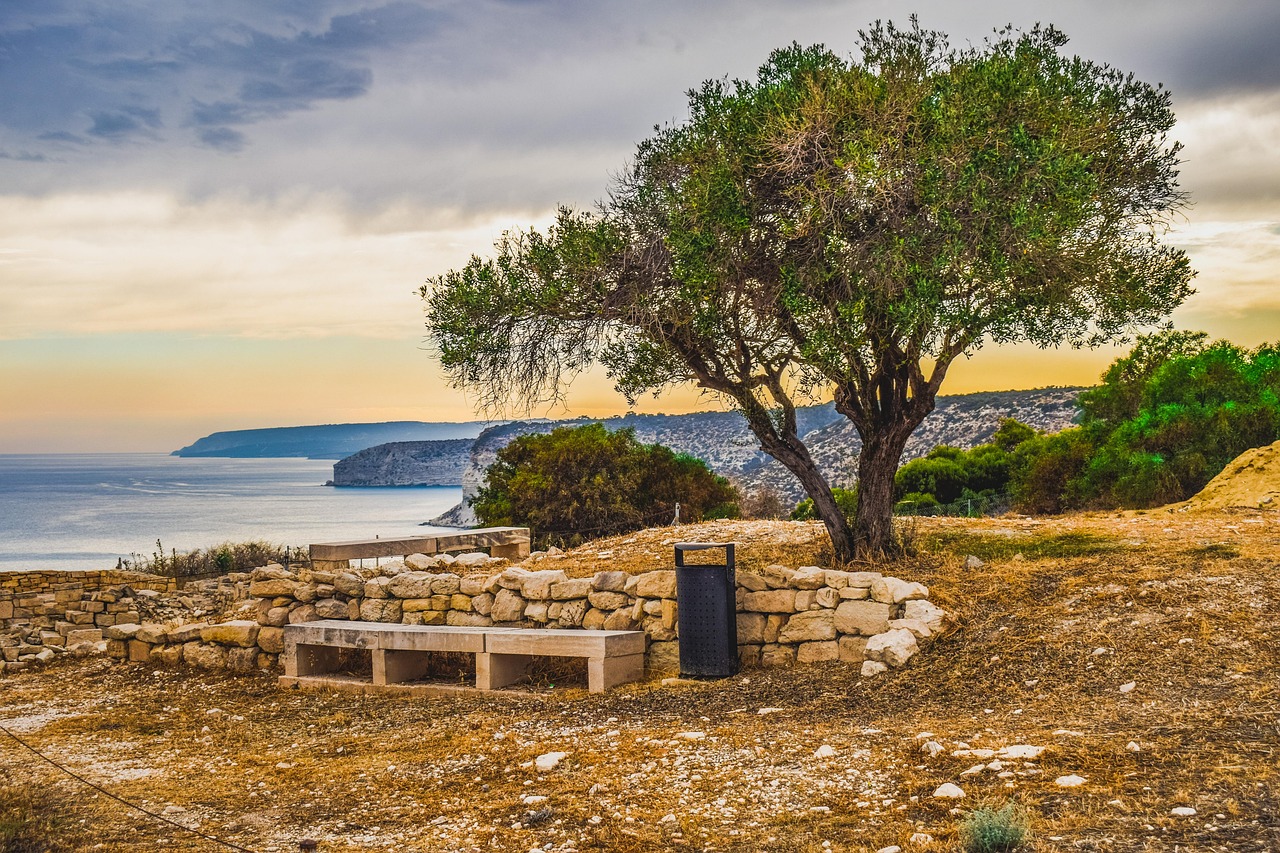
(707, 613)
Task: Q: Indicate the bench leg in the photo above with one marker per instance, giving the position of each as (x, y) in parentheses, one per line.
(603, 673)
(497, 670)
(391, 665)
(310, 660)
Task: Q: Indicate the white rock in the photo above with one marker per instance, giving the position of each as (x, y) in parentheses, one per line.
(668, 818)
(921, 838)
(1021, 751)
(533, 799)
(1128, 687)
(475, 558)
(933, 748)
(824, 751)
(1182, 811)
(548, 761)
(892, 848)
(974, 770)
(872, 667)
(893, 648)
(948, 791)
(972, 562)
(764, 711)
(1072, 781)
(1133, 746)
(691, 735)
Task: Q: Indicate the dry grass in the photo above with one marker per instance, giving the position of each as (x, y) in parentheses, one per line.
(1063, 613)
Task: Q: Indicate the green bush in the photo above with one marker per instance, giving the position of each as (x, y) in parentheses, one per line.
(988, 830)
(846, 499)
(576, 483)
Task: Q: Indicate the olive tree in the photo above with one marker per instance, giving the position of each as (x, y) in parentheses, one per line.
(842, 227)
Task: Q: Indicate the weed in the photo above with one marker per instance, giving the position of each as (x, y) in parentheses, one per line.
(28, 820)
(987, 547)
(990, 830)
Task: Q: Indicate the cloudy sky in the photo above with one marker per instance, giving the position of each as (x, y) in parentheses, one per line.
(215, 214)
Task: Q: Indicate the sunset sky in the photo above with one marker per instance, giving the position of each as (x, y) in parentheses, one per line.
(216, 215)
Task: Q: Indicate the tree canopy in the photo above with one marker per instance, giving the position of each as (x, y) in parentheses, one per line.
(846, 227)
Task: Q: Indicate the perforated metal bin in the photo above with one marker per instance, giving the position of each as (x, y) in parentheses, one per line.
(707, 613)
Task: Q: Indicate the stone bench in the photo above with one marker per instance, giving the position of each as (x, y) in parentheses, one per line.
(509, 542)
(401, 653)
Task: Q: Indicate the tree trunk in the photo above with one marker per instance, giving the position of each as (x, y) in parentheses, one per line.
(877, 465)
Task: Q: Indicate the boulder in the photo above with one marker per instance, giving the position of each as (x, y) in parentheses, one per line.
(348, 584)
(204, 655)
(271, 640)
(658, 584)
(471, 560)
(927, 612)
(751, 582)
(187, 633)
(381, 610)
(472, 584)
(751, 627)
(240, 632)
(892, 648)
(571, 613)
(307, 613)
(619, 620)
(420, 562)
(896, 591)
(571, 588)
(772, 601)
(610, 581)
(777, 577)
(331, 608)
(817, 652)
(866, 618)
(663, 658)
(609, 600)
(412, 585)
(272, 588)
(467, 620)
(125, 631)
(853, 649)
(809, 626)
(378, 588)
(508, 606)
(809, 577)
(538, 585)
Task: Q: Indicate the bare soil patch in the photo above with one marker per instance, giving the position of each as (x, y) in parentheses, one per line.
(1140, 650)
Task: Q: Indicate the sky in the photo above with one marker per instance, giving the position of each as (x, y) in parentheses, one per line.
(216, 214)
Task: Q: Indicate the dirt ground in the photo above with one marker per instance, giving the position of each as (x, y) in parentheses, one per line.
(1139, 650)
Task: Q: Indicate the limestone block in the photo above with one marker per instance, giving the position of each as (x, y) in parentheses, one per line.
(652, 606)
(271, 640)
(772, 626)
(773, 601)
(381, 610)
(331, 608)
(441, 602)
(815, 652)
(414, 618)
(276, 617)
(348, 584)
(167, 655)
(508, 606)
(186, 633)
(659, 584)
(379, 588)
(571, 588)
(854, 593)
(320, 577)
(872, 668)
(242, 660)
(751, 582)
(482, 603)
(446, 584)
(458, 601)
(467, 620)
(809, 577)
(806, 599)
(415, 605)
(115, 648)
(271, 571)
(272, 588)
(433, 617)
(572, 613)
(657, 632)
(307, 613)
(927, 612)
(239, 632)
(420, 562)
(473, 558)
(853, 649)
(749, 655)
(152, 633)
(513, 578)
(867, 618)
(305, 592)
(896, 591)
(892, 648)
(139, 652)
(472, 584)
(205, 656)
(663, 658)
(751, 628)
(536, 611)
(324, 590)
(538, 585)
(915, 626)
(777, 577)
(6, 609)
(670, 613)
(415, 585)
(608, 600)
(809, 626)
(775, 655)
(610, 581)
(863, 579)
(594, 619)
(619, 620)
(122, 632)
(83, 635)
(826, 597)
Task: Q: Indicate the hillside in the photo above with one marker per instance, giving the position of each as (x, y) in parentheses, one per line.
(723, 440)
(1251, 481)
(405, 463)
(326, 441)
(1131, 658)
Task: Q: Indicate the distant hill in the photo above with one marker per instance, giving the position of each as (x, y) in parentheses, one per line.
(326, 441)
(406, 463)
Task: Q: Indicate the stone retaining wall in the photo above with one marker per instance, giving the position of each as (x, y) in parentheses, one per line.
(26, 595)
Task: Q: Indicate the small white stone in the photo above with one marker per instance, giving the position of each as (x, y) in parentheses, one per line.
(691, 735)
(1182, 811)
(1133, 746)
(533, 799)
(1128, 686)
(948, 791)
(1072, 781)
(825, 751)
(764, 711)
(548, 761)
(921, 838)
(933, 748)
(974, 770)
(892, 848)
(873, 667)
(1021, 751)
(668, 818)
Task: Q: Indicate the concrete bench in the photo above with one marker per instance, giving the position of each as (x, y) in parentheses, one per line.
(401, 653)
(509, 542)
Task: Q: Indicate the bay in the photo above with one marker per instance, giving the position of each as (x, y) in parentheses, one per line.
(85, 511)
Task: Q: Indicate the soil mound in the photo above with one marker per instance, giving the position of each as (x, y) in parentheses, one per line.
(1251, 480)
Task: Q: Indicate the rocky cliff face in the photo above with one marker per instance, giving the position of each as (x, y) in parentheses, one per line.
(724, 442)
(406, 463)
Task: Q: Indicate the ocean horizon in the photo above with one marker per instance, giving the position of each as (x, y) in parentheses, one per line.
(84, 511)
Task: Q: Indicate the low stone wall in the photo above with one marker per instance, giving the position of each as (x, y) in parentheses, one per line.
(785, 616)
(25, 595)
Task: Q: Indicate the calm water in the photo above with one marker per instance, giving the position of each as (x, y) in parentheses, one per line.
(73, 511)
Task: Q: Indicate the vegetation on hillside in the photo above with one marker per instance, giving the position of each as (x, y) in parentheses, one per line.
(584, 482)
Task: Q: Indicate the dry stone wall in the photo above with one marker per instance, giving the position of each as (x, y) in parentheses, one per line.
(785, 615)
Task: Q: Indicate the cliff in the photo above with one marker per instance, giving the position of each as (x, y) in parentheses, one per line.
(405, 463)
(323, 441)
(724, 442)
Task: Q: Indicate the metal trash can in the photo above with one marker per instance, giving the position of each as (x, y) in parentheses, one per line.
(707, 613)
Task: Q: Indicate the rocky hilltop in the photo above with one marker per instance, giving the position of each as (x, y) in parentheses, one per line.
(724, 442)
(323, 441)
(405, 463)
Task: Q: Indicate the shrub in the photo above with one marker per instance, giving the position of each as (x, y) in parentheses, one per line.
(575, 483)
(989, 830)
(846, 499)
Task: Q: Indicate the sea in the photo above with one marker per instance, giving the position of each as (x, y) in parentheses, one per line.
(88, 511)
